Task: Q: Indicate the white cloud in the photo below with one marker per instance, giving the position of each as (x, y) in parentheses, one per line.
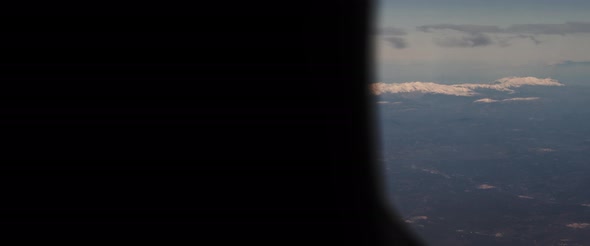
(486, 187)
(503, 84)
(485, 100)
(521, 99)
(578, 225)
(422, 87)
(545, 150)
(488, 100)
(416, 218)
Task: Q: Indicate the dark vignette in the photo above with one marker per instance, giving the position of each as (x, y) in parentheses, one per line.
(216, 124)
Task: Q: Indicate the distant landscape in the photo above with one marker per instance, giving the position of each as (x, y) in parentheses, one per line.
(492, 167)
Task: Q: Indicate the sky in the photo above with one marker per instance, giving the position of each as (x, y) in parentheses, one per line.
(478, 41)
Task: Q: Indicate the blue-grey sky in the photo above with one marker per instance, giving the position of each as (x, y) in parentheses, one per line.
(464, 41)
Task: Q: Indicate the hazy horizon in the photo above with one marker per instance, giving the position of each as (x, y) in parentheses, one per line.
(479, 41)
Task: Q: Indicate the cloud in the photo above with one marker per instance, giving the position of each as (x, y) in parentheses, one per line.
(521, 99)
(551, 29)
(461, 28)
(545, 150)
(535, 29)
(478, 35)
(531, 37)
(473, 40)
(486, 187)
(392, 36)
(488, 100)
(397, 42)
(485, 100)
(416, 218)
(422, 87)
(503, 84)
(395, 31)
(432, 171)
(473, 35)
(568, 63)
(520, 81)
(578, 225)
